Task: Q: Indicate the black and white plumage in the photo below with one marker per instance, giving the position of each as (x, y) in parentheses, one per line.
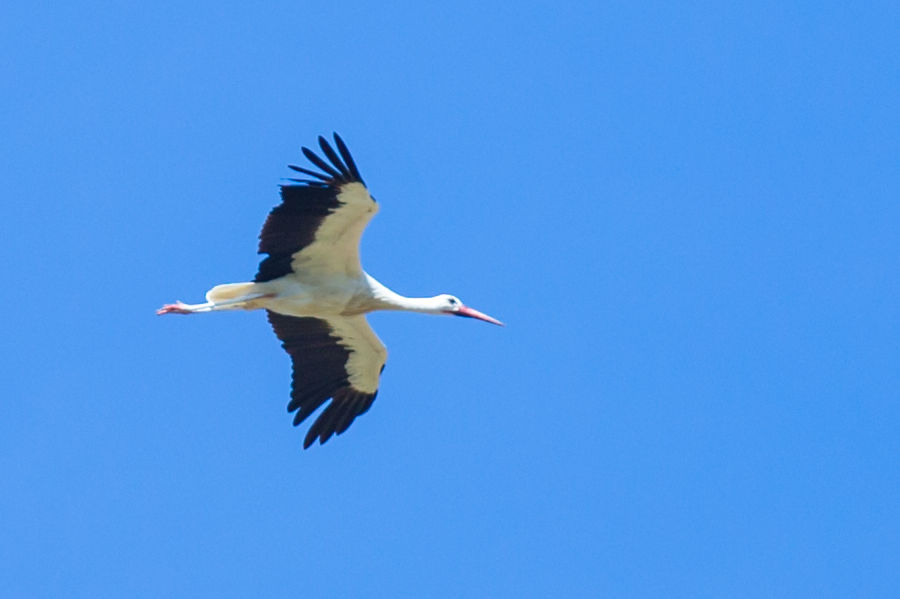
(316, 294)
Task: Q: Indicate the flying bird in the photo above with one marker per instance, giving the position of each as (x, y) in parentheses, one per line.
(316, 293)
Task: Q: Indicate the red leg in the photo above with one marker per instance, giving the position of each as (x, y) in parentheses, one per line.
(176, 308)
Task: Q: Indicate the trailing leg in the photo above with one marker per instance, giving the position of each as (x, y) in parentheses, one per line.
(232, 296)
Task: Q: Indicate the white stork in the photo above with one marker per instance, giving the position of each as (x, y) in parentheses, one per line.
(316, 293)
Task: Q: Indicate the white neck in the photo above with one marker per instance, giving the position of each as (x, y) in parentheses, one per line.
(386, 299)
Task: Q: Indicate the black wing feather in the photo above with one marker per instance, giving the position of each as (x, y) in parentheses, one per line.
(324, 426)
(312, 182)
(306, 400)
(333, 157)
(348, 159)
(312, 157)
(309, 172)
(354, 403)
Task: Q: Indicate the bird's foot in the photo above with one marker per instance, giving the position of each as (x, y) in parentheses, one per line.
(177, 308)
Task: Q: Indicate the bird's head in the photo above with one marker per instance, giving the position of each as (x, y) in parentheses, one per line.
(450, 304)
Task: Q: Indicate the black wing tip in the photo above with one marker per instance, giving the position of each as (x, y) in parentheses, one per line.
(342, 168)
(310, 172)
(346, 406)
(334, 158)
(295, 182)
(348, 159)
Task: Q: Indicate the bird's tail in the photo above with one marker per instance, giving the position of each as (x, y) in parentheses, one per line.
(231, 294)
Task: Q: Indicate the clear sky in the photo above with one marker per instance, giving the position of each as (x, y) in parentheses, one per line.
(688, 217)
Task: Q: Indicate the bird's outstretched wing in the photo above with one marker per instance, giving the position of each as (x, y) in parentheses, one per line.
(317, 227)
(337, 357)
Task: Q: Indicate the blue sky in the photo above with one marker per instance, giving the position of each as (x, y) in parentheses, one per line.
(686, 215)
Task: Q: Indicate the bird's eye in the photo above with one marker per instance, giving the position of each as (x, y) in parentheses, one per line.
(452, 301)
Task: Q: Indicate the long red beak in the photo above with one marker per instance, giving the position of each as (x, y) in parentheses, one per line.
(473, 313)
